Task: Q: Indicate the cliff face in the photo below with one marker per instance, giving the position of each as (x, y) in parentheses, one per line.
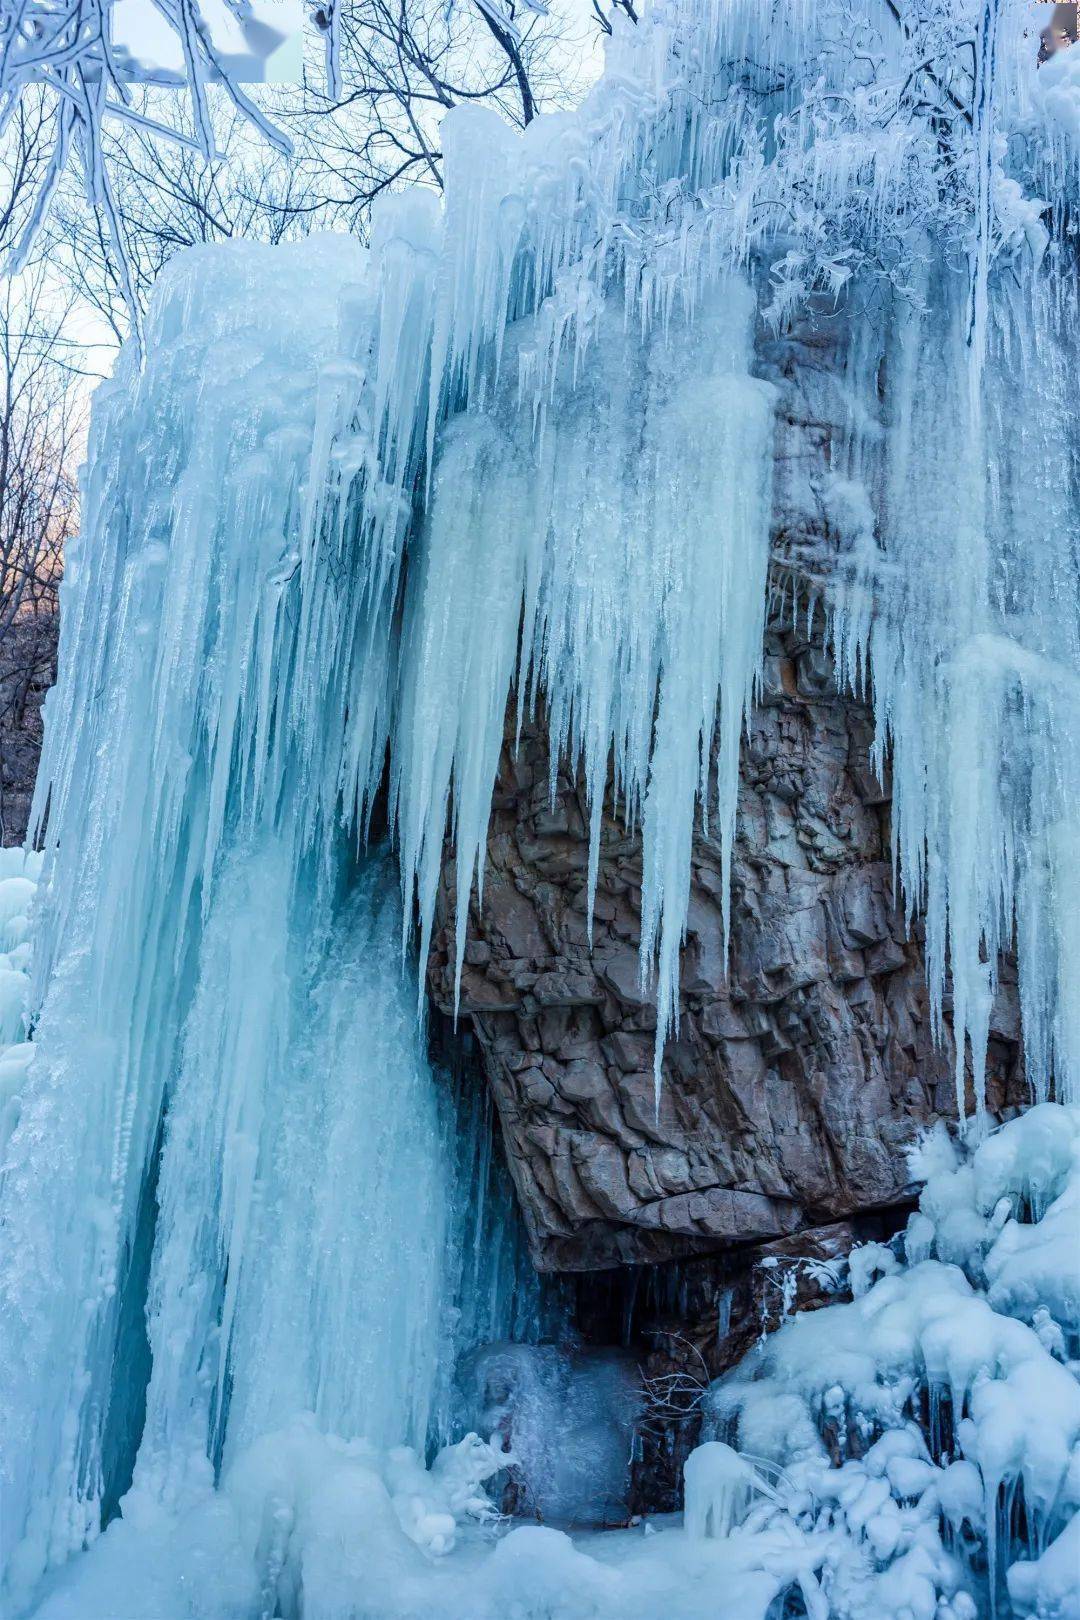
(804, 1065)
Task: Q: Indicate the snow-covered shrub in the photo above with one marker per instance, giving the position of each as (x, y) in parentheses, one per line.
(924, 1438)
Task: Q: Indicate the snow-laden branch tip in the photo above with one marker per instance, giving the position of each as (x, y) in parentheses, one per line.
(67, 53)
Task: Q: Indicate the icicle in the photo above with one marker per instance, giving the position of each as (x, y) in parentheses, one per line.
(974, 657)
(631, 545)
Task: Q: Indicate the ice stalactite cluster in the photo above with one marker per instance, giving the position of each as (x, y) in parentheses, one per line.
(955, 589)
(574, 265)
(962, 605)
(614, 569)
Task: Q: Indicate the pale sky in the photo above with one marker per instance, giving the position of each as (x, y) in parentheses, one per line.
(269, 50)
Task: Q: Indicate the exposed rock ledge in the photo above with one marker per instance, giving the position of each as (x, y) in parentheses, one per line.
(801, 1074)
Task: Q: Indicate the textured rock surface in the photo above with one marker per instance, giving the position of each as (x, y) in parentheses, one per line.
(27, 670)
(804, 1065)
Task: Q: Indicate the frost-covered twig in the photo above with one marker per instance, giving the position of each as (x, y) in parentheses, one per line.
(66, 53)
(670, 1397)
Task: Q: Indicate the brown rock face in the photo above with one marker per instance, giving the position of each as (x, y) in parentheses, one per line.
(803, 1065)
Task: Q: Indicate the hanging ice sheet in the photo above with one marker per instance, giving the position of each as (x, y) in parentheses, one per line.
(611, 566)
(965, 607)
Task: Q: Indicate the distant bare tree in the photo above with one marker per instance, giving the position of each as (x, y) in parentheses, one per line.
(364, 116)
(404, 63)
(24, 156)
(38, 516)
(63, 58)
(166, 198)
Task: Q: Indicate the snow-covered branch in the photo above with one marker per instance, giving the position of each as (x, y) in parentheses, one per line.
(65, 53)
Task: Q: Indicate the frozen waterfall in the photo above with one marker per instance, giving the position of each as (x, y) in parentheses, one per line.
(240, 1123)
(357, 509)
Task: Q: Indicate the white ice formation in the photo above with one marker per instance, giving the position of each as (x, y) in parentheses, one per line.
(355, 505)
(921, 1445)
(19, 873)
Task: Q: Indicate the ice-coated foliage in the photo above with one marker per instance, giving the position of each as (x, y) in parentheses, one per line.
(357, 506)
(924, 1440)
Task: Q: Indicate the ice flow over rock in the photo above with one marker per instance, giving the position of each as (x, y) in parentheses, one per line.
(357, 502)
